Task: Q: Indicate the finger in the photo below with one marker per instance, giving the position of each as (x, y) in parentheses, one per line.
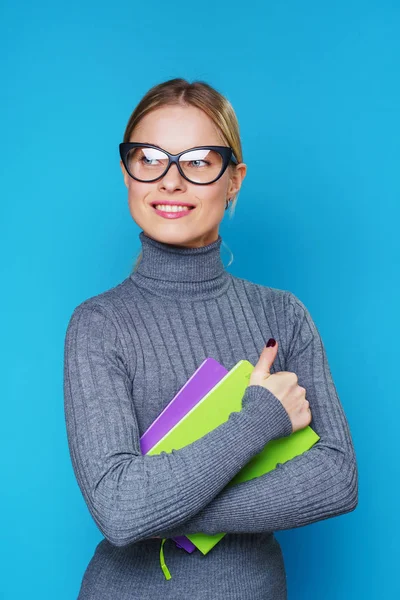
(267, 358)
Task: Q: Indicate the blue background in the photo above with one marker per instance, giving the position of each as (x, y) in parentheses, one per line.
(316, 91)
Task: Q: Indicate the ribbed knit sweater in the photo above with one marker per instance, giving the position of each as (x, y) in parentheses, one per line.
(128, 351)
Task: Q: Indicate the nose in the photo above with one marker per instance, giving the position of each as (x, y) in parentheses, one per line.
(172, 179)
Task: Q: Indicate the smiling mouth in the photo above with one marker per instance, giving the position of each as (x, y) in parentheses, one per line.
(172, 213)
(173, 208)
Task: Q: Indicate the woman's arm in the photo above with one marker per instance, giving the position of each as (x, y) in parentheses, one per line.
(319, 484)
(130, 496)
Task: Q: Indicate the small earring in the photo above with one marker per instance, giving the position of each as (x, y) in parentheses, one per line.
(227, 203)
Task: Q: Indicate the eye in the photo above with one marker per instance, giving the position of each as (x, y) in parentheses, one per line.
(147, 161)
(151, 157)
(199, 161)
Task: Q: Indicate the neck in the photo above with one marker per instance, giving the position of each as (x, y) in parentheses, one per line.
(178, 271)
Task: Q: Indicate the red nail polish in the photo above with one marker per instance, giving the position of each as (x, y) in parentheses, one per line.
(271, 342)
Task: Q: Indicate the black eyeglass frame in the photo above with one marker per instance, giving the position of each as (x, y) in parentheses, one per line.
(225, 151)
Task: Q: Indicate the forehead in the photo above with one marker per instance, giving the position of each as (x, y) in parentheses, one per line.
(176, 128)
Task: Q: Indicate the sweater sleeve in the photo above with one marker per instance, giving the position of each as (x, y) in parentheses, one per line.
(129, 495)
(317, 485)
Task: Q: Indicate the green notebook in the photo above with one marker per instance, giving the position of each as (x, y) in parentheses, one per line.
(213, 410)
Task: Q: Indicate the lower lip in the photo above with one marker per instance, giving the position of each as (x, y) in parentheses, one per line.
(173, 215)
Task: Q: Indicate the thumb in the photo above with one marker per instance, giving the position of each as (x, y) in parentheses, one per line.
(267, 357)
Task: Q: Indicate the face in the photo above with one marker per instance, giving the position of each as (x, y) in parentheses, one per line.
(178, 128)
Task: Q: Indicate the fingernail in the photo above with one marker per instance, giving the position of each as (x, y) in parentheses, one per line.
(271, 342)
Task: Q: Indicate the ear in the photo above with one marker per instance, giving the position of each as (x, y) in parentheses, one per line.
(124, 173)
(236, 179)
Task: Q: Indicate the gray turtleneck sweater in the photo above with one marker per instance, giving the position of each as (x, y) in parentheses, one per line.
(128, 351)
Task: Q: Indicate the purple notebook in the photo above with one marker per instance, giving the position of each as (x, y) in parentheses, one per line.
(209, 373)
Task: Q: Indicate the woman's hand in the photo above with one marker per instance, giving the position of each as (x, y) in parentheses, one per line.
(284, 386)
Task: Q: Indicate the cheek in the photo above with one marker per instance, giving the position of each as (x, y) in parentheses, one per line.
(212, 196)
(136, 194)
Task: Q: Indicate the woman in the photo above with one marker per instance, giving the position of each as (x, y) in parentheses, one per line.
(129, 350)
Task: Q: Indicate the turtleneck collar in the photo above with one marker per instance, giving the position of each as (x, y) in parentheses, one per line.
(181, 272)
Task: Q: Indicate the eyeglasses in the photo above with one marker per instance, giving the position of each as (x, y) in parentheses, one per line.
(201, 165)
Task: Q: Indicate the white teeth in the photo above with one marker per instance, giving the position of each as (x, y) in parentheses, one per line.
(171, 208)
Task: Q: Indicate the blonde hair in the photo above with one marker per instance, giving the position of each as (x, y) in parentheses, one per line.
(201, 95)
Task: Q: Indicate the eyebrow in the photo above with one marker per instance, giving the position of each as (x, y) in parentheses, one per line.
(158, 146)
(152, 143)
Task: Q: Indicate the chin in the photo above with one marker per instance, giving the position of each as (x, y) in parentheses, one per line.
(173, 236)
(180, 237)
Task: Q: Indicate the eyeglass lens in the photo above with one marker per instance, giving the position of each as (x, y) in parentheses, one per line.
(200, 166)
